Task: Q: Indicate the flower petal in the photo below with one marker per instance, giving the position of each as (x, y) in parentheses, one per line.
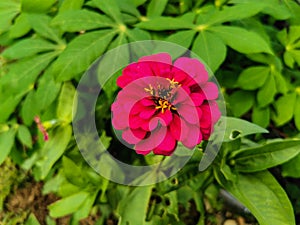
(210, 91)
(167, 146)
(194, 137)
(194, 68)
(133, 136)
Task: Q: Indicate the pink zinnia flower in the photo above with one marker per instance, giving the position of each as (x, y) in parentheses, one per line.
(161, 104)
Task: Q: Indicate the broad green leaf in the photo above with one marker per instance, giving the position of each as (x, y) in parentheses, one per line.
(21, 75)
(241, 102)
(297, 112)
(156, 8)
(261, 116)
(85, 209)
(8, 105)
(242, 40)
(110, 8)
(267, 92)
(165, 23)
(47, 90)
(210, 48)
(6, 143)
(281, 83)
(138, 199)
(29, 108)
(236, 12)
(129, 7)
(139, 48)
(291, 168)
(72, 172)
(32, 220)
(41, 25)
(36, 6)
(28, 47)
(24, 136)
(235, 128)
(284, 109)
(67, 205)
(278, 10)
(52, 150)
(20, 27)
(182, 38)
(80, 20)
(65, 102)
(71, 5)
(265, 156)
(253, 77)
(8, 10)
(264, 197)
(80, 53)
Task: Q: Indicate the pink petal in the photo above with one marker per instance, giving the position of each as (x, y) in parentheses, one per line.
(175, 127)
(210, 91)
(167, 146)
(189, 113)
(165, 117)
(194, 137)
(193, 67)
(160, 57)
(197, 98)
(156, 137)
(147, 112)
(133, 136)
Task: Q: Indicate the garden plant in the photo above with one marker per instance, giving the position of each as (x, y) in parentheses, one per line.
(149, 112)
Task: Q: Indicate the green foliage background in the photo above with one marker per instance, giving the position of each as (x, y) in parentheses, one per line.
(252, 46)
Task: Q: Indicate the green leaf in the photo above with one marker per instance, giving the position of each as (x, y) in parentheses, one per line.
(156, 8)
(65, 102)
(242, 40)
(236, 12)
(282, 113)
(139, 199)
(8, 10)
(20, 27)
(29, 108)
(241, 102)
(210, 48)
(237, 128)
(264, 197)
(70, 5)
(266, 156)
(15, 82)
(165, 23)
(6, 143)
(72, 172)
(41, 25)
(32, 220)
(80, 53)
(281, 83)
(253, 77)
(110, 8)
(80, 20)
(267, 92)
(52, 150)
(261, 116)
(28, 47)
(36, 6)
(8, 105)
(297, 112)
(182, 38)
(24, 136)
(67, 205)
(291, 168)
(274, 8)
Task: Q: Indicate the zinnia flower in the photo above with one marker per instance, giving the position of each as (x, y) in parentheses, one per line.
(161, 104)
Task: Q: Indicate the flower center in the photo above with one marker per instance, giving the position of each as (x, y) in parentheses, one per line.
(164, 95)
(163, 105)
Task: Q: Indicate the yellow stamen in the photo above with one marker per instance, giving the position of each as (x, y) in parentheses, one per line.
(163, 105)
(173, 83)
(150, 89)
